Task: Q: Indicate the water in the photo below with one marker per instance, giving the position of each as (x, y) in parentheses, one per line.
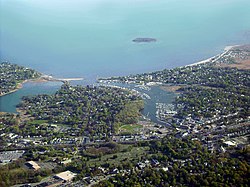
(156, 94)
(93, 38)
(8, 102)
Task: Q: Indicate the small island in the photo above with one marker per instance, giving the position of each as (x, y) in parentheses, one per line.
(144, 40)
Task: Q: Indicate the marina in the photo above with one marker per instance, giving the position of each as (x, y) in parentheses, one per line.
(164, 111)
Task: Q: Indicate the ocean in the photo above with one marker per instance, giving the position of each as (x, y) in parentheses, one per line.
(93, 38)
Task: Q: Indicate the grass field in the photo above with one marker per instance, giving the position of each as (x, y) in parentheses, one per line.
(131, 128)
(116, 159)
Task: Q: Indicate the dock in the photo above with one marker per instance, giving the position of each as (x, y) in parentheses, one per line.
(50, 78)
(69, 79)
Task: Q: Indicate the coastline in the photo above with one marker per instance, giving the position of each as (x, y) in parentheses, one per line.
(46, 78)
(171, 88)
(213, 58)
(20, 85)
(42, 78)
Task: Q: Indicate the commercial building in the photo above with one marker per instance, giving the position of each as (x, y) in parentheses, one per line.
(33, 165)
(65, 176)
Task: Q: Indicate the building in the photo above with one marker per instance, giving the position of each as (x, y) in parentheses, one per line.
(33, 165)
(65, 176)
(65, 162)
(8, 156)
(229, 143)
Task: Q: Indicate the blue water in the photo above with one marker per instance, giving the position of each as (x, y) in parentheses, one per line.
(156, 95)
(8, 102)
(93, 38)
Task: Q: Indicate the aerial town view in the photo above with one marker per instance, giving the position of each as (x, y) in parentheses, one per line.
(73, 117)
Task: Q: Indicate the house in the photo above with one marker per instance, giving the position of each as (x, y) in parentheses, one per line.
(229, 143)
(65, 162)
(33, 165)
(155, 162)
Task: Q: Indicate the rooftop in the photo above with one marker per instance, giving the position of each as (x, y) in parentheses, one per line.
(66, 175)
(34, 165)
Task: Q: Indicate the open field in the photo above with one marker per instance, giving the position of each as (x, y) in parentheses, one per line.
(131, 127)
(244, 64)
(170, 88)
(115, 159)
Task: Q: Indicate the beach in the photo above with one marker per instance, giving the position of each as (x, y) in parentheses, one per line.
(214, 58)
(20, 85)
(43, 78)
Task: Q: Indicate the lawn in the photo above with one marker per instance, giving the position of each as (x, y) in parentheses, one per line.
(132, 128)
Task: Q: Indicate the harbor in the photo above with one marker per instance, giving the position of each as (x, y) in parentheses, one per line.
(164, 111)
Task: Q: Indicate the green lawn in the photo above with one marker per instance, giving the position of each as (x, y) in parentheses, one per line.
(132, 128)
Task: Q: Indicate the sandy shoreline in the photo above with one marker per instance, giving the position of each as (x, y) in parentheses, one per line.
(20, 85)
(171, 88)
(46, 78)
(214, 58)
(43, 78)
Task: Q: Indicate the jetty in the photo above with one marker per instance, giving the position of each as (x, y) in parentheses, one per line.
(51, 78)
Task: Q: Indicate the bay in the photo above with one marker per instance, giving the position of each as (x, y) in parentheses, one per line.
(93, 38)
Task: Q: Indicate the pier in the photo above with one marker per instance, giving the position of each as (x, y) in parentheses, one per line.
(50, 78)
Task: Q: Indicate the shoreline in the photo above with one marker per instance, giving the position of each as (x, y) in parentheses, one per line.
(20, 85)
(213, 58)
(42, 78)
(47, 78)
(171, 88)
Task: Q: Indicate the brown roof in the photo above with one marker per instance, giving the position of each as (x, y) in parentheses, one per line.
(34, 165)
